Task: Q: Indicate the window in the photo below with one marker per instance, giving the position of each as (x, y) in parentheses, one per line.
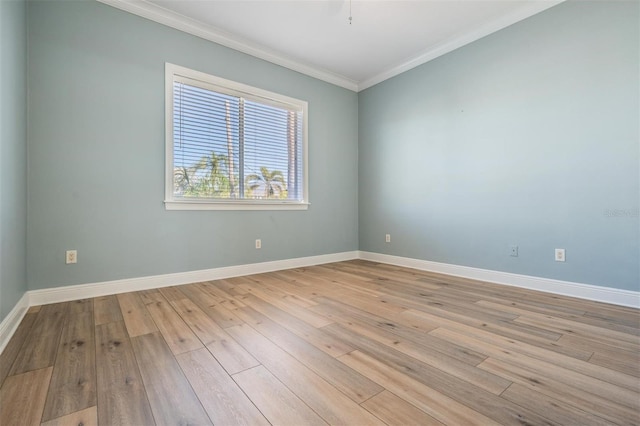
(232, 146)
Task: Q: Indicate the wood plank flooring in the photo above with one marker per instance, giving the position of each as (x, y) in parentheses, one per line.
(349, 343)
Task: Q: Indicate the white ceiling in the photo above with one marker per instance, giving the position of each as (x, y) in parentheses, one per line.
(315, 38)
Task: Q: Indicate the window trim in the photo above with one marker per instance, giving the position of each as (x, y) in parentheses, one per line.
(175, 72)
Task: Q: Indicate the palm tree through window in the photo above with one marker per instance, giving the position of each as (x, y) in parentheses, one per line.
(230, 145)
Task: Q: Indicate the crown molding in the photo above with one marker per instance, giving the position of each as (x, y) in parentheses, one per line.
(458, 41)
(180, 22)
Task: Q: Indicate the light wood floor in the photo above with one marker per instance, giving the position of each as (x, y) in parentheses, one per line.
(353, 343)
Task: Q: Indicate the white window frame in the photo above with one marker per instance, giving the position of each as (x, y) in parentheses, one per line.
(179, 73)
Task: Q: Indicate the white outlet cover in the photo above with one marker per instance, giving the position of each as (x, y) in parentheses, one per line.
(560, 255)
(71, 256)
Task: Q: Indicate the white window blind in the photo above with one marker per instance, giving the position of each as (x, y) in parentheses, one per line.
(232, 145)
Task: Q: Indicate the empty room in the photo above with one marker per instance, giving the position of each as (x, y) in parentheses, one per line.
(319, 212)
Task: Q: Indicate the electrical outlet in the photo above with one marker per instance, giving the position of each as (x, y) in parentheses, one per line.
(560, 257)
(513, 251)
(71, 256)
(258, 243)
(387, 238)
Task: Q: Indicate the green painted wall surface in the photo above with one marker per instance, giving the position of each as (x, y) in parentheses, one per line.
(96, 154)
(13, 154)
(527, 137)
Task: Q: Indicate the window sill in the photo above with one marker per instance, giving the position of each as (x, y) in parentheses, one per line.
(233, 205)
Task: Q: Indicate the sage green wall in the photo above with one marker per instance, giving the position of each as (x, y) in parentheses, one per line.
(527, 137)
(13, 154)
(96, 154)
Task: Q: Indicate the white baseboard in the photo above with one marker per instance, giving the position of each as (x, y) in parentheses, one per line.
(11, 322)
(84, 291)
(565, 288)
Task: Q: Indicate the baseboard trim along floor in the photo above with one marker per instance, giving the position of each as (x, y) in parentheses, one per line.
(82, 291)
(565, 288)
